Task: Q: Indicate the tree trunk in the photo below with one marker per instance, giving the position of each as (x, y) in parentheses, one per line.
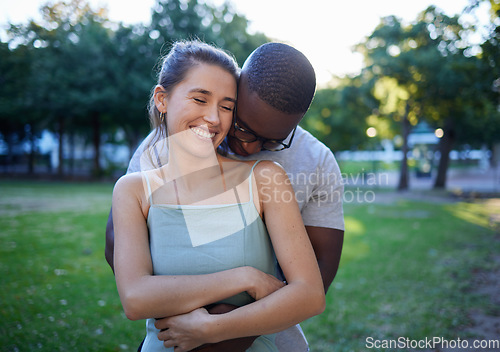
(445, 146)
(9, 164)
(72, 153)
(97, 144)
(403, 174)
(495, 155)
(60, 168)
(31, 161)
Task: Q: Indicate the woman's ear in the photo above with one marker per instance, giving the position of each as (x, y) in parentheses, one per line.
(160, 98)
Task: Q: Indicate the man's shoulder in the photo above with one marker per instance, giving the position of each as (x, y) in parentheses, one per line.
(307, 142)
(307, 149)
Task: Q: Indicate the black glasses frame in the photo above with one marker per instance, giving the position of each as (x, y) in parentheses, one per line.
(263, 140)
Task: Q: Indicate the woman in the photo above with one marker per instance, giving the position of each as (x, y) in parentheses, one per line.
(191, 233)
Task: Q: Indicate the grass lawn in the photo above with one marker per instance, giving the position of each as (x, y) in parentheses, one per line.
(405, 271)
(58, 293)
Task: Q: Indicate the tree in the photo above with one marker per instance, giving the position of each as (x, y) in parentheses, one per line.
(68, 68)
(176, 20)
(339, 116)
(229, 30)
(388, 54)
(490, 55)
(455, 85)
(134, 78)
(446, 84)
(15, 100)
(84, 75)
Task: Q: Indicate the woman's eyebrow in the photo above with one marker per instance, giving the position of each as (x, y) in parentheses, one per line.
(200, 90)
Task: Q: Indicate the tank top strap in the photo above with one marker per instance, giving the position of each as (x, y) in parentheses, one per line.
(150, 194)
(250, 179)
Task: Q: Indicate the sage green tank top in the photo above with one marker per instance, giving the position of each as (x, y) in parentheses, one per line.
(203, 239)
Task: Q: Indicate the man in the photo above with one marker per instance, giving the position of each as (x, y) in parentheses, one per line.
(276, 87)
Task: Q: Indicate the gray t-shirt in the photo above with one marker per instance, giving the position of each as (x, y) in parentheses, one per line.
(310, 166)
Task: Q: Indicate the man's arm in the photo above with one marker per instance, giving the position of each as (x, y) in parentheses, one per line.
(110, 241)
(327, 244)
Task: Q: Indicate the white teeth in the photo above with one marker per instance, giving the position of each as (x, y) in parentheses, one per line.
(202, 133)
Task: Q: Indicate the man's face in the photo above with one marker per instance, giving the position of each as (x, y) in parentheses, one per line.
(255, 115)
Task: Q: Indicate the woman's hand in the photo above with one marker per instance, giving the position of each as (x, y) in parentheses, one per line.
(184, 332)
(234, 345)
(262, 284)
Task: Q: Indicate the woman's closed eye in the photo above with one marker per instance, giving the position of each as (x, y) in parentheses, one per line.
(227, 108)
(200, 100)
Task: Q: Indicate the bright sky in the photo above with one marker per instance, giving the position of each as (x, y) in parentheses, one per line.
(324, 30)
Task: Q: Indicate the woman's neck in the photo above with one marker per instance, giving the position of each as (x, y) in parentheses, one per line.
(193, 174)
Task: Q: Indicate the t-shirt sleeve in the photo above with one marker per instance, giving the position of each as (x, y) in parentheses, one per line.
(148, 155)
(324, 207)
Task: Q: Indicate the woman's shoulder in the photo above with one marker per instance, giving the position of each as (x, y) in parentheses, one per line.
(261, 166)
(131, 182)
(268, 172)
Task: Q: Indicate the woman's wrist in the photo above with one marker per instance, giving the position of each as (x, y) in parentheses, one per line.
(212, 328)
(248, 278)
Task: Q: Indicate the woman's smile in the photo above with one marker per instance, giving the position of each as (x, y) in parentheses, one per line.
(202, 133)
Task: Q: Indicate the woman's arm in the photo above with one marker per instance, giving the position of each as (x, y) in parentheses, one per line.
(146, 296)
(302, 298)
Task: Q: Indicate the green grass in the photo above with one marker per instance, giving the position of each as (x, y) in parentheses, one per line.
(405, 271)
(57, 291)
(350, 167)
(354, 167)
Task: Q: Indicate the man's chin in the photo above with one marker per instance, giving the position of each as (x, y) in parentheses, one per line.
(238, 149)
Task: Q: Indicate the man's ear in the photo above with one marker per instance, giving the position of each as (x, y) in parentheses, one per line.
(160, 98)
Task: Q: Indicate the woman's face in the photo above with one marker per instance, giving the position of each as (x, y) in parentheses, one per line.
(199, 110)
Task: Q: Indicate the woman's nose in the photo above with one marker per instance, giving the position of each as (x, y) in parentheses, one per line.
(212, 117)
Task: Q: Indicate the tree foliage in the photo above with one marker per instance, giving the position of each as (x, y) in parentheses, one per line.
(75, 72)
(339, 116)
(441, 79)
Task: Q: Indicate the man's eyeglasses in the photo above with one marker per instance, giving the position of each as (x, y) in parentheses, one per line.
(247, 136)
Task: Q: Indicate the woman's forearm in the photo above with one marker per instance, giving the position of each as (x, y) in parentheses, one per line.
(284, 308)
(157, 296)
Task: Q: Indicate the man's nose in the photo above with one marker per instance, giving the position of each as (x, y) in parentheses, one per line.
(252, 147)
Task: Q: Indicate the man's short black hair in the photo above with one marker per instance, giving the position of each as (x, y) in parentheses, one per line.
(282, 77)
